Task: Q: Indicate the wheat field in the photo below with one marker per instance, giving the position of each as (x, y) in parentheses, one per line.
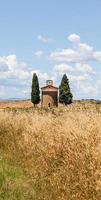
(51, 154)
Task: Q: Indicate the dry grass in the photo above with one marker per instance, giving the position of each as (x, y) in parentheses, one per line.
(58, 152)
(15, 104)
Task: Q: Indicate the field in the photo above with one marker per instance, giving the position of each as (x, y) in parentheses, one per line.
(15, 104)
(50, 154)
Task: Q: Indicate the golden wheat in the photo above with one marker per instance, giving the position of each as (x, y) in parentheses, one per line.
(58, 150)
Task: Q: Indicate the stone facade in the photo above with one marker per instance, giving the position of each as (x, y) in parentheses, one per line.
(49, 96)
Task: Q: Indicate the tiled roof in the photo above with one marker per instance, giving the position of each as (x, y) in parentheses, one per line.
(49, 86)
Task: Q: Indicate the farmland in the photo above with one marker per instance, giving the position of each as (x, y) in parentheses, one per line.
(50, 154)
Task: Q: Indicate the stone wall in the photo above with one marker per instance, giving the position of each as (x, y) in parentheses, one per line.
(49, 98)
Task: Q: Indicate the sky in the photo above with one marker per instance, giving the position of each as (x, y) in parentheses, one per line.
(50, 38)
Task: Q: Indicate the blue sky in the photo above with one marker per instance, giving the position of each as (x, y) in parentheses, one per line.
(50, 38)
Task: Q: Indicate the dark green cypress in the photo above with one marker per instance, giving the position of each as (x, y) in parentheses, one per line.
(65, 95)
(35, 93)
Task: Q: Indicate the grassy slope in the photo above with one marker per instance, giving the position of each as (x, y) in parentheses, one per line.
(51, 154)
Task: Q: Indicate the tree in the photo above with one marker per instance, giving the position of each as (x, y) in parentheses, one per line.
(65, 95)
(35, 93)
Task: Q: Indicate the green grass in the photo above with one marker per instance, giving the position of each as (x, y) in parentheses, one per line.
(11, 179)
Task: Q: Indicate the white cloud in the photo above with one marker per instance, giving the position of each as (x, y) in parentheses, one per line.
(10, 67)
(79, 52)
(39, 53)
(85, 48)
(64, 68)
(21, 74)
(97, 55)
(78, 67)
(85, 51)
(74, 38)
(43, 39)
(15, 74)
(79, 78)
(84, 68)
(64, 55)
(88, 88)
(3, 67)
(11, 61)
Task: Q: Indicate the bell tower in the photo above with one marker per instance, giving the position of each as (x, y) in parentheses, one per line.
(49, 82)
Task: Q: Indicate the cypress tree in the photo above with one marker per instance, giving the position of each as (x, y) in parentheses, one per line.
(65, 95)
(35, 93)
